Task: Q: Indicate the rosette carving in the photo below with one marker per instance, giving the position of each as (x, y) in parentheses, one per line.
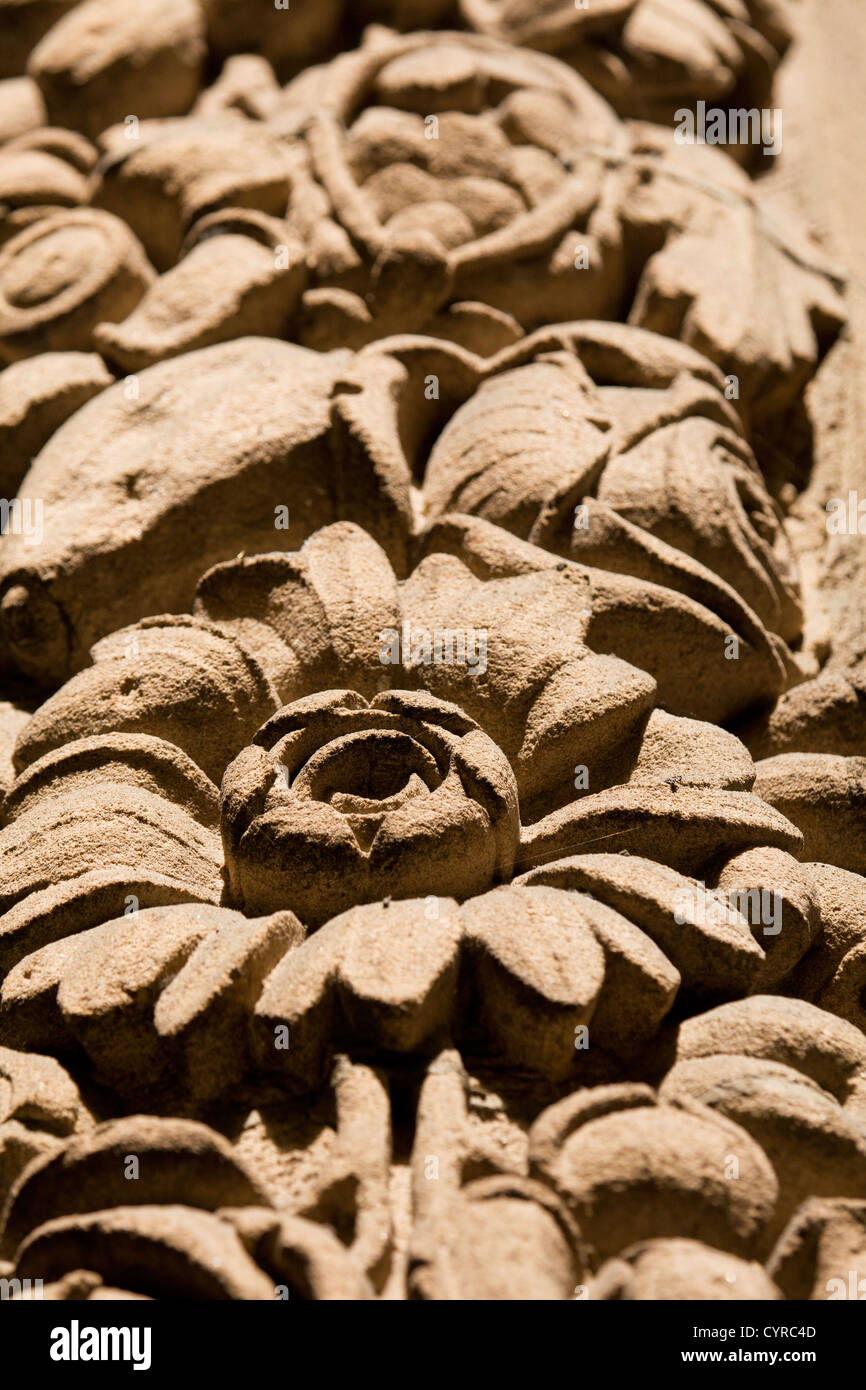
(337, 799)
(434, 864)
(648, 58)
(416, 224)
(576, 215)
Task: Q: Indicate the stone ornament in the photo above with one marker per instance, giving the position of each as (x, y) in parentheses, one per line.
(99, 273)
(649, 58)
(336, 795)
(576, 204)
(177, 171)
(42, 168)
(102, 60)
(659, 415)
(429, 801)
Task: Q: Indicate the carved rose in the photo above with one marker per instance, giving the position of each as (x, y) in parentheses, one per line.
(339, 802)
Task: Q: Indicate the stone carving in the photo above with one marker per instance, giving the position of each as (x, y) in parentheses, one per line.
(649, 58)
(430, 840)
(576, 205)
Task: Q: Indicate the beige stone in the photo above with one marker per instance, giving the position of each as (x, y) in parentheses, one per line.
(430, 680)
(37, 395)
(104, 61)
(820, 1249)
(681, 1271)
(340, 802)
(177, 171)
(177, 1251)
(630, 1165)
(62, 276)
(823, 794)
(241, 276)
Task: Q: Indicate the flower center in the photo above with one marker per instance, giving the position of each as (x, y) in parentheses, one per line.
(369, 772)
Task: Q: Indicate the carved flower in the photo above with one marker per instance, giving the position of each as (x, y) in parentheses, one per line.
(648, 57)
(340, 802)
(455, 186)
(623, 454)
(622, 457)
(434, 161)
(454, 510)
(197, 1224)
